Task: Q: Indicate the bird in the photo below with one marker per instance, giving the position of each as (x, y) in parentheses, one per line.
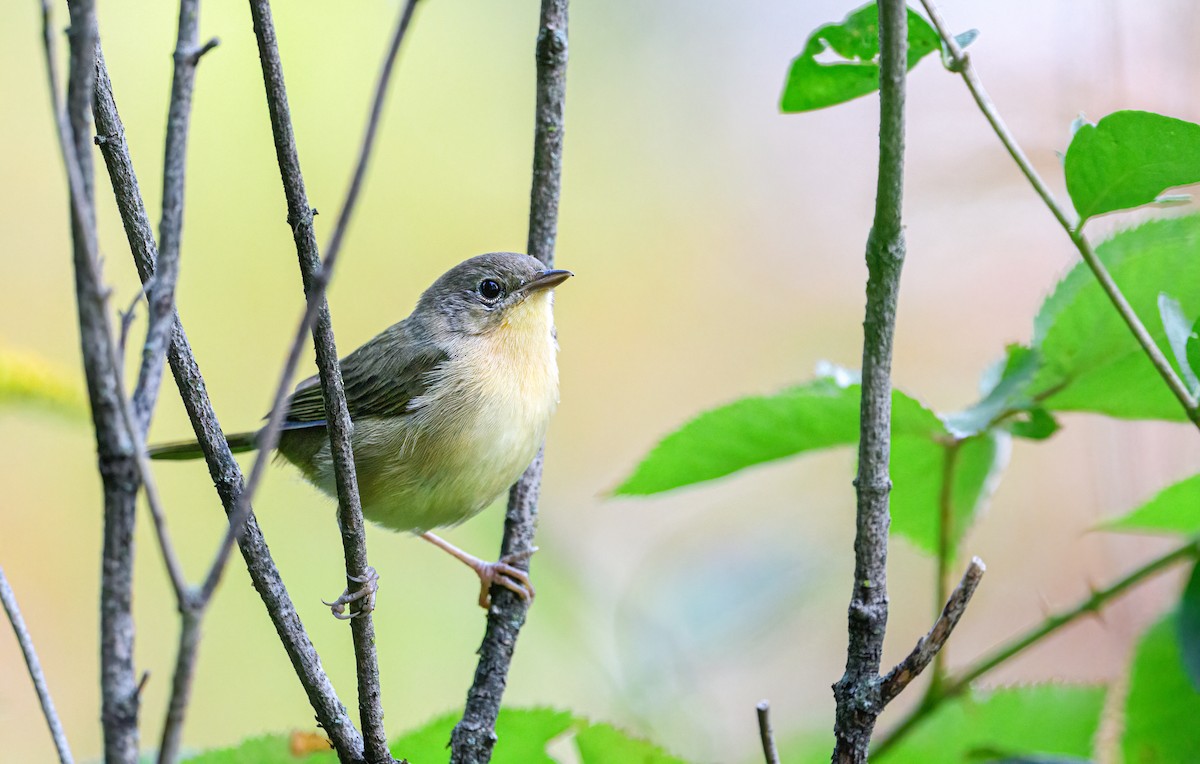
(448, 408)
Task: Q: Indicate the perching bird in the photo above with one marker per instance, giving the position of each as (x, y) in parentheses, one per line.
(449, 406)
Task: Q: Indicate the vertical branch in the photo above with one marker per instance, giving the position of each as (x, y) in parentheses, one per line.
(857, 693)
(117, 461)
(337, 415)
(9, 601)
(474, 736)
(223, 468)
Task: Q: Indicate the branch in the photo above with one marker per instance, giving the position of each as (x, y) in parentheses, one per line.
(770, 753)
(223, 468)
(958, 684)
(316, 276)
(932, 643)
(858, 691)
(960, 63)
(117, 461)
(9, 600)
(161, 293)
(475, 736)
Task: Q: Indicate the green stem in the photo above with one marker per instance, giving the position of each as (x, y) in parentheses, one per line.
(956, 685)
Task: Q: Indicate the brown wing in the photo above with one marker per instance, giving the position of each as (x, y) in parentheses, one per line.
(381, 378)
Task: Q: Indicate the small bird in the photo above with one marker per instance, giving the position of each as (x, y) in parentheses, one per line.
(449, 407)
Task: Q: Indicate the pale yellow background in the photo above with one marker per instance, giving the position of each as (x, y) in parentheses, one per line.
(718, 247)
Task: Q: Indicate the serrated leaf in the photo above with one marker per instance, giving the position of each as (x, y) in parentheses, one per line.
(854, 42)
(29, 381)
(1179, 333)
(1128, 158)
(1162, 706)
(1175, 509)
(605, 744)
(1010, 722)
(817, 415)
(1189, 627)
(1090, 360)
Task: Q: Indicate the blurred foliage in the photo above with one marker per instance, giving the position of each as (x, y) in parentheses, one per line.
(1162, 706)
(524, 736)
(27, 381)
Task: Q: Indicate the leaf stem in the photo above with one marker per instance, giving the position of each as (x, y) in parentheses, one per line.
(960, 63)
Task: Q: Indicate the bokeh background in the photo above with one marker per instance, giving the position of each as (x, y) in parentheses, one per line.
(718, 247)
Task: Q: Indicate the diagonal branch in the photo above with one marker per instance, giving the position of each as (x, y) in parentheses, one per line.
(474, 736)
(857, 693)
(9, 601)
(766, 734)
(316, 276)
(960, 63)
(223, 468)
(932, 643)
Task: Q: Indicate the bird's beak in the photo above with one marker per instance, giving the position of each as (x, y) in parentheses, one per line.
(547, 279)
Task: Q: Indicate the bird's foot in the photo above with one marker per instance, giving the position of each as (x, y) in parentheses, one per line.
(367, 594)
(503, 573)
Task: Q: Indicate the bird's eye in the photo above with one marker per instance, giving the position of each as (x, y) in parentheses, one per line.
(490, 290)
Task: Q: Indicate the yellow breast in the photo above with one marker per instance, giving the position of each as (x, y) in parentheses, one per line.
(472, 434)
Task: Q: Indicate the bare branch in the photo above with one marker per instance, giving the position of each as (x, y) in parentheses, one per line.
(117, 462)
(932, 643)
(857, 692)
(474, 736)
(766, 734)
(9, 600)
(224, 469)
(959, 683)
(960, 62)
(316, 276)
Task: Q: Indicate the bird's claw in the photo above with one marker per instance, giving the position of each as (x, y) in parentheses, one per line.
(370, 584)
(504, 573)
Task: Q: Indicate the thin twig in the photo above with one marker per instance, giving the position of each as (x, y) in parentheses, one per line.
(960, 62)
(857, 693)
(474, 736)
(957, 684)
(932, 643)
(766, 734)
(9, 600)
(223, 468)
(316, 276)
(160, 297)
(117, 461)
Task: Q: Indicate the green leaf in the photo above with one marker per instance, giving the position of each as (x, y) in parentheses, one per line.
(1006, 389)
(817, 415)
(1035, 424)
(813, 84)
(1189, 627)
(28, 381)
(266, 749)
(1162, 706)
(1010, 722)
(1179, 333)
(1090, 360)
(1128, 159)
(605, 744)
(1175, 509)
(918, 470)
(1192, 347)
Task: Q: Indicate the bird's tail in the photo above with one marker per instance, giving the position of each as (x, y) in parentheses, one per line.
(190, 449)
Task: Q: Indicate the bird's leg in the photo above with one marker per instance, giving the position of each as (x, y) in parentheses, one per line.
(370, 585)
(501, 572)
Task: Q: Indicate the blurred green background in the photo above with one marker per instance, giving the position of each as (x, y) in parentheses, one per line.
(718, 247)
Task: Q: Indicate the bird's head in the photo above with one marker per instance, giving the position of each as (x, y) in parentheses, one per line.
(488, 293)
